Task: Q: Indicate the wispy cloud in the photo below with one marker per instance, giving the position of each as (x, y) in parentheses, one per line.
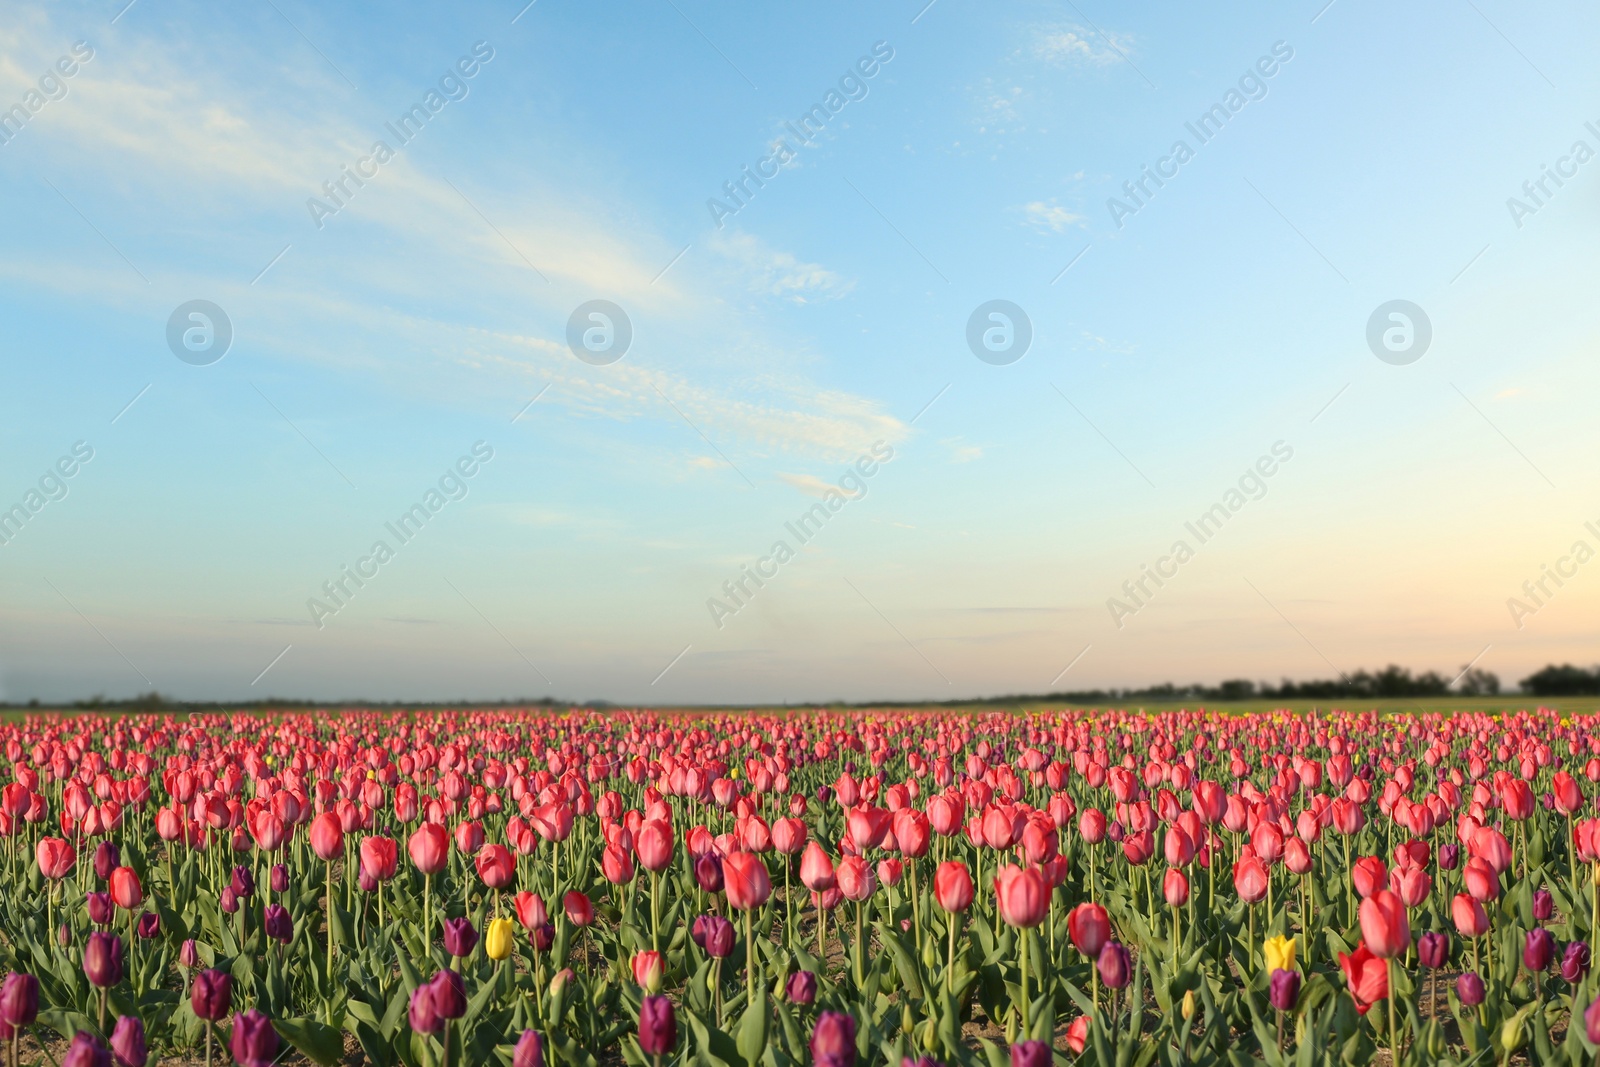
(1049, 216)
(778, 273)
(1072, 45)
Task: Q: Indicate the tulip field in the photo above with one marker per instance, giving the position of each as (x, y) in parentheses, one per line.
(537, 886)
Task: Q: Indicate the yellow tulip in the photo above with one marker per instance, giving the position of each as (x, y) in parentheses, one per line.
(1188, 1005)
(1279, 953)
(499, 939)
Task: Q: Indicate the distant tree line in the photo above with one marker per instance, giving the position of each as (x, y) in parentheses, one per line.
(1392, 682)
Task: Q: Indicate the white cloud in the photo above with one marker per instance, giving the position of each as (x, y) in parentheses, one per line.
(1069, 44)
(143, 124)
(776, 273)
(961, 452)
(1051, 216)
(809, 484)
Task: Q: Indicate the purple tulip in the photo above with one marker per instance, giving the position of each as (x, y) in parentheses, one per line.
(127, 1042)
(658, 1026)
(833, 1040)
(708, 872)
(449, 995)
(1449, 857)
(460, 938)
(719, 937)
(243, 883)
(255, 1042)
(1116, 832)
(1469, 987)
(543, 936)
(107, 858)
(801, 988)
(280, 878)
(1575, 962)
(1284, 989)
(149, 925)
(189, 954)
(19, 1000)
(229, 901)
(86, 1051)
(102, 959)
(1591, 1022)
(1538, 949)
(100, 908)
(1544, 905)
(424, 1019)
(1433, 949)
(211, 995)
(278, 923)
(529, 1051)
(1115, 965)
(1030, 1054)
(697, 932)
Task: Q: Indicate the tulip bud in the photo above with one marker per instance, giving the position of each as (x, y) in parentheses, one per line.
(1591, 1022)
(254, 1039)
(1544, 905)
(278, 923)
(579, 908)
(801, 988)
(719, 937)
(19, 1000)
(126, 892)
(1175, 888)
(498, 938)
(107, 858)
(424, 1018)
(243, 883)
(100, 908)
(833, 1040)
(1432, 950)
(529, 1051)
(658, 1026)
(460, 938)
(1537, 949)
(1030, 1054)
(1469, 987)
(280, 878)
(102, 959)
(1575, 962)
(211, 995)
(1188, 1006)
(449, 994)
(228, 901)
(1114, 965)
(64, 935)
(149, 925)
(1511, 1033)
(127, 1042)
(86, 1051)
(189, 954)
(708, 872)
(1284, 989)
(647, 970)
(1449, 857)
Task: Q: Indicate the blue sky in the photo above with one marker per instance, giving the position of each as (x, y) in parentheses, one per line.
(774, 347)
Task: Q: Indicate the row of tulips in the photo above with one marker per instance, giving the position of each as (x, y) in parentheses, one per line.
(532, 886)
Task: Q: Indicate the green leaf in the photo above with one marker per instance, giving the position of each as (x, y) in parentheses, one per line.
(66, 1023)
(752, 1039)
(317, 1041)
